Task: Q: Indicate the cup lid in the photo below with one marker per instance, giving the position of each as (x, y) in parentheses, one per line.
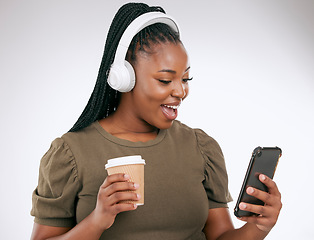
(134, 159)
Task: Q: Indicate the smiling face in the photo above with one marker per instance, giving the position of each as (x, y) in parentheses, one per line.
(162, 76)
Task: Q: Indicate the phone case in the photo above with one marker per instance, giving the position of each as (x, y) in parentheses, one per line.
(264, 160)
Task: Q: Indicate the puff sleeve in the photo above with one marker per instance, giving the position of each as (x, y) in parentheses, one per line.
(53, 201)
(215, 174)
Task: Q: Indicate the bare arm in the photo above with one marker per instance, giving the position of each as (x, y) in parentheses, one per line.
(46, 232)
(107, 207)
(219, 225)
(86, 229)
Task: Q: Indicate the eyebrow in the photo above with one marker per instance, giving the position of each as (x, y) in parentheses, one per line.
(172, 71)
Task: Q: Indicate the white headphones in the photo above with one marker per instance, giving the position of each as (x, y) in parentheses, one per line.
(122, 76)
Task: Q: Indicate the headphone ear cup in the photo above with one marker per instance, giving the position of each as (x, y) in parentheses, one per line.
(131, 72)
(122, 78)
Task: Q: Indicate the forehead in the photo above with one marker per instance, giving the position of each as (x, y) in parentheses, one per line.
(163, 55)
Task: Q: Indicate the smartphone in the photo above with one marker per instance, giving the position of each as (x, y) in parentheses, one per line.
(264, 160)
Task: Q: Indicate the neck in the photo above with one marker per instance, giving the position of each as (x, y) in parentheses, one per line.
(131, 129)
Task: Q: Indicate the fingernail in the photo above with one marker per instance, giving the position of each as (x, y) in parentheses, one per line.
(263, 177)
(126, 176)
(138, 196)
(135, 185)
(250, 190)
(243, 206)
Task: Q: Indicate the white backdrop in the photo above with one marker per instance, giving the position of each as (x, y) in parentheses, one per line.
(253, 68)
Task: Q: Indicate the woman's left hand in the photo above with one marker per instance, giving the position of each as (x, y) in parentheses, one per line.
(268, 214)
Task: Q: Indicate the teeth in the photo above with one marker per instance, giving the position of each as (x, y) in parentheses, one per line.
(173, 107)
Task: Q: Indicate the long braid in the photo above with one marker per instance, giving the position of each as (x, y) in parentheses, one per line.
(104, 100)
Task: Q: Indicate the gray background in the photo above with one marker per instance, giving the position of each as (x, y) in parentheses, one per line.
(252, 63)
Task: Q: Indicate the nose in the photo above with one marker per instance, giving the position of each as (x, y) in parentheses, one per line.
(179, 90)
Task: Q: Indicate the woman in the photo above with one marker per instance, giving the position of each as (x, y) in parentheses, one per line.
(186, 192)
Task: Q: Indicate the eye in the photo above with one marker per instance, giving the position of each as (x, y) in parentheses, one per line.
(187, 79)
(164, 81)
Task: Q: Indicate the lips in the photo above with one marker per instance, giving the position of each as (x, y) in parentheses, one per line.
(170, 111)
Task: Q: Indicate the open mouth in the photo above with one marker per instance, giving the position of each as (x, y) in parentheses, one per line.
(170, 111)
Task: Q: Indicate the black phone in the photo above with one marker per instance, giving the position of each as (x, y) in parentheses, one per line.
(264, 160)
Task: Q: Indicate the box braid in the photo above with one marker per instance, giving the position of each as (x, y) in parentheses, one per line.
(104, 100)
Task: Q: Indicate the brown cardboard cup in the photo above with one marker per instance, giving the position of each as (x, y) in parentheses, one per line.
(134, 167)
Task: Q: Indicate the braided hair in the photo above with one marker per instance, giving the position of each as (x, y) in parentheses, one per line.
(104, 100)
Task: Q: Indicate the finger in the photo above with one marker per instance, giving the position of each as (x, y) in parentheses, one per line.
(261, 195)
(254, 219)
(119, 177)
(265, 211)
(123, 207)
(120, 186)
(262, 223)
(118, 197)
(272, 186)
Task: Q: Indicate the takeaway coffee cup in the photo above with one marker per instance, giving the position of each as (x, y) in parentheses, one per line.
(134, 167)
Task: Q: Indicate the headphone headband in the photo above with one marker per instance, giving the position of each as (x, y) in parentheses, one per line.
(136, 26)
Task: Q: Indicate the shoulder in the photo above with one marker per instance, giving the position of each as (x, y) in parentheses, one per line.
(206, 144)
(80, 137)
(201, 136)
(59, 149)
(181, 128)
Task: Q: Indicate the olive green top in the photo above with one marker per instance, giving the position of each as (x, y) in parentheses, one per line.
(185, 175)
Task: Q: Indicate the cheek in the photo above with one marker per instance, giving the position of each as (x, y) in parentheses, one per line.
(186, 89)
(152, 90)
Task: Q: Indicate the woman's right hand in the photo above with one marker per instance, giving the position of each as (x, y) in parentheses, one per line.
(115, 189)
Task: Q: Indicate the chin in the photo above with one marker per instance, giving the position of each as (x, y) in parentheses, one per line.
(165, 125)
